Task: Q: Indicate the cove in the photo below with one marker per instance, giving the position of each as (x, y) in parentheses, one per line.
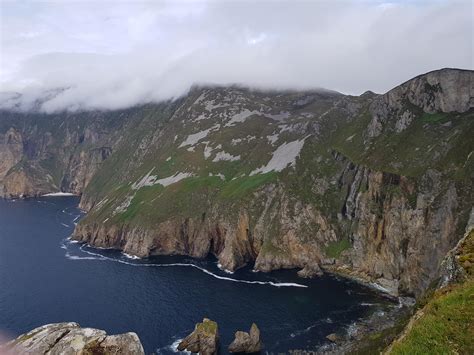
(45, 278)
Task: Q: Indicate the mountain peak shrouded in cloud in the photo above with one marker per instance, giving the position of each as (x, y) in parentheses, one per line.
(110, 55)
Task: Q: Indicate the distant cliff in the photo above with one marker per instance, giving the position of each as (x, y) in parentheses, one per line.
(375, 186)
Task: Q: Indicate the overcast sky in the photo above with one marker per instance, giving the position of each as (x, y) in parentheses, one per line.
(113, 54)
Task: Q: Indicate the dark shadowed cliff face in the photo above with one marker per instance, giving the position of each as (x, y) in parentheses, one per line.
(48, 153)
(376, 186)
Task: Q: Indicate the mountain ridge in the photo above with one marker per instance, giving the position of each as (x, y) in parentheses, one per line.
(305, 180)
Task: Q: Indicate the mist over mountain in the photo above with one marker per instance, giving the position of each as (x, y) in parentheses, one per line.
(112, 56)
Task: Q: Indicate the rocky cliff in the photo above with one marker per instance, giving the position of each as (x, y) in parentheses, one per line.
(42, 153)
(70, 338)
(375, 186)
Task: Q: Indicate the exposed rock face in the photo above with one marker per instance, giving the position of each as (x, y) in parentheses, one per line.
(50, 153)
(453, 269)
(247, 342)
(398, 239)
(397, 242)
(203, 340)
(310, 271)
(70, 338)
(374, 186)
(443, 90)
(332, 337)
(11, 150)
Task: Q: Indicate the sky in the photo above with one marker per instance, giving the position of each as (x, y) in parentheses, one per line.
(78, 55)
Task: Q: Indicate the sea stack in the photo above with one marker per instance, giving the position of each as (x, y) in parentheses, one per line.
(247, 342)
(203, 340)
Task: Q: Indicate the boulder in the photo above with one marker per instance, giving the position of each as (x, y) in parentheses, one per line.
(70, 338)
(310, 271)
(247, 342)
(332, 337)
(203, 340)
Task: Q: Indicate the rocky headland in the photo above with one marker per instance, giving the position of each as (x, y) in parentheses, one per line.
(70, 338)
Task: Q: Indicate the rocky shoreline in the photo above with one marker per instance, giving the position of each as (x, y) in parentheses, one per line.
(70, 338)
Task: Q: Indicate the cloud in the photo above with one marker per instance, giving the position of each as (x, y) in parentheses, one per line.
(109, 55)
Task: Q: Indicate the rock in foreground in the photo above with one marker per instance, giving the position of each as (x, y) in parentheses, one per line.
(246, 342)
(70, 338)
(203, 340)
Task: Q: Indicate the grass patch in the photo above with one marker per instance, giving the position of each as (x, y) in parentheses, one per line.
(446, 327)
(334, 249)
(243, 185)
(433, 117)
(207, 326)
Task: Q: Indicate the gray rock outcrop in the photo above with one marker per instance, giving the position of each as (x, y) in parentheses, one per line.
(247, 342)
(203, 340)
(70, 338)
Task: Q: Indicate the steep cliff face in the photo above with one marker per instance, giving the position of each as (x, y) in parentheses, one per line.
(49, 153)
(443, 91)
(375, 186)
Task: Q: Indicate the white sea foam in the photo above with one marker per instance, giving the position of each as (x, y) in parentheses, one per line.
(307, 329)
(58, 194)
(219, 265)
(379, 287)
(130, 256)
(75, 257)
(65, 225)
(102, 257)
(173, 347)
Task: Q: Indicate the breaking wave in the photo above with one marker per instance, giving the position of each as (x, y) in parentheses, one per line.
(97, 256)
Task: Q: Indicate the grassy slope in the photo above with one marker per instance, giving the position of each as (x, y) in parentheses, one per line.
(446, 323)
(431, 141)
(194, 195)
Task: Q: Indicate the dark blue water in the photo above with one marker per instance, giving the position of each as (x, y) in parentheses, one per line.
(45, 279)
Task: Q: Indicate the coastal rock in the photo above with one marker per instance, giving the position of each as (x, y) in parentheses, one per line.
(247, 342)
(310, 271)
(70, 338)
(203, 340)
(332, 337)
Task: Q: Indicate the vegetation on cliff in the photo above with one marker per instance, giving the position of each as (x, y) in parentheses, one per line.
(445, 324)
(377, 186)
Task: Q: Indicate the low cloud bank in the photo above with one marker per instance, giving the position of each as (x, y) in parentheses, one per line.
(116, 55)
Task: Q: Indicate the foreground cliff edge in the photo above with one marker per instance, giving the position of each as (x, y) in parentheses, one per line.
(70, 338)
(375, 187)
(445, 319)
